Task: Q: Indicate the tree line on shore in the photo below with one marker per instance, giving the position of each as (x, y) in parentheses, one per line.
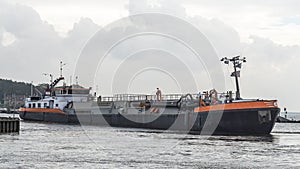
(10, 89)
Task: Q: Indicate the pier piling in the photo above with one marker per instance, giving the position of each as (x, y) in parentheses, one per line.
(9, 125)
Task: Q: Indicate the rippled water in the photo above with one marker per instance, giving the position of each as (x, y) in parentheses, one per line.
(46, 145)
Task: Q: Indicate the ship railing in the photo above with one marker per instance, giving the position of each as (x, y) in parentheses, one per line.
(228, 95)
(142, 97)
(133, 97)
(166, 97)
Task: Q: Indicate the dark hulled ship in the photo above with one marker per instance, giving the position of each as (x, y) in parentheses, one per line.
(208, 112)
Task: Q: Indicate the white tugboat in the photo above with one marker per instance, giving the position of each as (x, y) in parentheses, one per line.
(50, 107)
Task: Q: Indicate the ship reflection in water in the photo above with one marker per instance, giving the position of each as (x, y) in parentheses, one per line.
(48, 145)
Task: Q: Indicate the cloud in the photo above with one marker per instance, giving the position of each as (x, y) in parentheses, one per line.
(271, 71)
(36, 48)
(7, 38)
(272, 68)
(63, 14)
(266, 19)
(161, 6)
(31, 46)
(76, 39)
(34, 42)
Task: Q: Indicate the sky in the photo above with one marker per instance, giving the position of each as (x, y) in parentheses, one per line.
(35, 35)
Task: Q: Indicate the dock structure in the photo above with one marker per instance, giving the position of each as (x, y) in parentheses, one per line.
(281, 119)
(9, 125)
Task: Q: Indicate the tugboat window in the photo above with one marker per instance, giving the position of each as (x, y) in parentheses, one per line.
(33, 105)
(51, 102)
(39, 105)
(56, 105)
(29, 105)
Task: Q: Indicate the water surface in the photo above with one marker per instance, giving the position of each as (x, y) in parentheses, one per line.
(49, 145)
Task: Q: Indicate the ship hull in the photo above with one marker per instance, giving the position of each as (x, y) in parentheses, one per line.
(44, 116)
(258, 121)
(247, 121)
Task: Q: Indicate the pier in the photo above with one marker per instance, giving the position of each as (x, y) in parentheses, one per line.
(9, 125)
(281, 119)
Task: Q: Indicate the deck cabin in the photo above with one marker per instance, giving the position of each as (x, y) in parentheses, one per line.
(60, 98)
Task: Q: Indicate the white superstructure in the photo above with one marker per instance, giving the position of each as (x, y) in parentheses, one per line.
(59, 98)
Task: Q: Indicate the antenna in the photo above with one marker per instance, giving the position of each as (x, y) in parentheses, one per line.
(51, 76)
(71, 80)
(76, 80)
(61, 68)
(31, 88)
(237, 63)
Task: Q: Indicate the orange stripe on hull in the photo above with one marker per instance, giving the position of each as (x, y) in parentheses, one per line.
(41, 110)
(238, 106)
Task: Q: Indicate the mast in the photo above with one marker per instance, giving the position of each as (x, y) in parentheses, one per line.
(61, 68)
(237, 63)
(238, 94)
(31, 88)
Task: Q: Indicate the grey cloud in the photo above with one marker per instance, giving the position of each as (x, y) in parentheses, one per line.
(223, 37)
(173, 7)
(271, 71)
(38, 48)
(266, 52)
(76, 40)
(35, 41)
(288, 6)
